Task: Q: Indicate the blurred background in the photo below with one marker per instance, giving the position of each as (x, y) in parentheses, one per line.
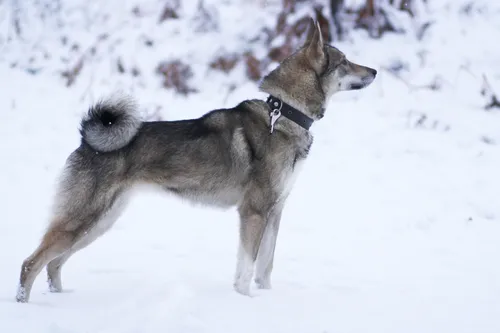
(393, 225)
(180, 45)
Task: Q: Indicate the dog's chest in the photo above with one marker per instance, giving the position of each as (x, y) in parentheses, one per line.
(290, 175)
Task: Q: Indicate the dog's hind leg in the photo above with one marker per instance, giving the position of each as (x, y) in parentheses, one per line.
(55, 265)
(103, 224)
(67, 235)
(54, 243)
(86, 206)
(54, 271)
(265, 257)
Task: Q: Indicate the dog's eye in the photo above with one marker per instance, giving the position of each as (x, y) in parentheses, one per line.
(338, 63)
(331, 66)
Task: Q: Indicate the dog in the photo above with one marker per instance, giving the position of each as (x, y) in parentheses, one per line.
(246, 157)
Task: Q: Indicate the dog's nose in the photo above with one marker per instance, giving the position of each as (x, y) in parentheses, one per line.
(373, 71)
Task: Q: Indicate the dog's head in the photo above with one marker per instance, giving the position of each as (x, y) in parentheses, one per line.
(310, 76)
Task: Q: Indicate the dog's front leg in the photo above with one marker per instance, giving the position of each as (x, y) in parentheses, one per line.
(252, 225)
(267, 247)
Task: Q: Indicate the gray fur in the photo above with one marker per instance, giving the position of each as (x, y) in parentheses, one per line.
(225, 158)
(111, 124)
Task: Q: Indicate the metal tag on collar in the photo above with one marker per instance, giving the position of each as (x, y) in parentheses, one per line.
(275, 114)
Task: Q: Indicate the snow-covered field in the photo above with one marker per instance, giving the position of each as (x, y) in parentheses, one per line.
(393, 225)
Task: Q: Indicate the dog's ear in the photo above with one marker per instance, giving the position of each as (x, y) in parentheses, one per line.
(315, 47)
(320, 34)
(311, 31)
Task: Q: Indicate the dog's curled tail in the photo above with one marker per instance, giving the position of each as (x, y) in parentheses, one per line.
(111, 124)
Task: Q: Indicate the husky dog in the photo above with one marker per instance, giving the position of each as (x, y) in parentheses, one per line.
(247, 157)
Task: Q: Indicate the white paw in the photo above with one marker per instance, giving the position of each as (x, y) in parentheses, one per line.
(244, 273)
(242, 289)
(21, 295)
(263, 283)
(54, 288)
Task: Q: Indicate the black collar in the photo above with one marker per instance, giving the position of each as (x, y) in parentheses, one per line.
(289, 112)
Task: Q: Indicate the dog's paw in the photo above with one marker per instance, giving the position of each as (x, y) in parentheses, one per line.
(21, 296)
(242, 289)
(263, 283)
(54, 287)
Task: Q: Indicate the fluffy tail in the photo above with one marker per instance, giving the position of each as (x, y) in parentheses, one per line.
(110, 124)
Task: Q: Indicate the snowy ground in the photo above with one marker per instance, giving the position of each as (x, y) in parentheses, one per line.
(392, 226)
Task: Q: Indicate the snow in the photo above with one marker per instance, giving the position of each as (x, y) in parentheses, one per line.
(393, 224)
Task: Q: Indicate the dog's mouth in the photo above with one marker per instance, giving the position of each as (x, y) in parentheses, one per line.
(360, 85)
(356, 86)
